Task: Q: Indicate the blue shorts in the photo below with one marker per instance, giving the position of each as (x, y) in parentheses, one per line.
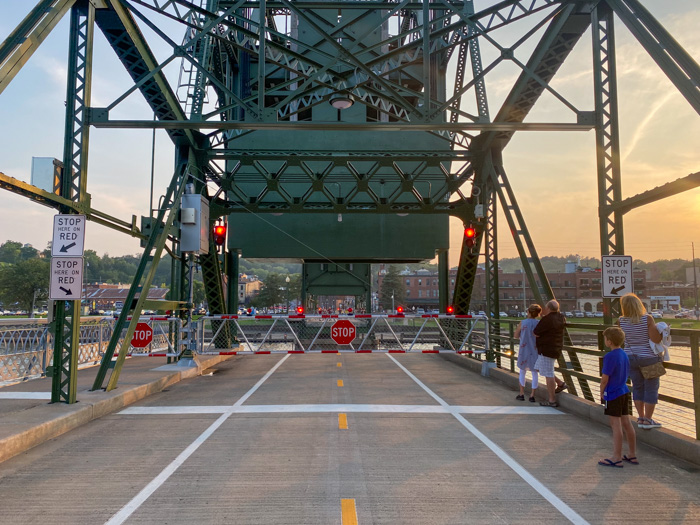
(646, 390)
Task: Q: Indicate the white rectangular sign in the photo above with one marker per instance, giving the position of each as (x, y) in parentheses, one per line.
(617, 275)
(66, 278)
(68, 235)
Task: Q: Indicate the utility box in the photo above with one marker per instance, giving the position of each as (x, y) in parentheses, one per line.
(45, 173)
(194, 224)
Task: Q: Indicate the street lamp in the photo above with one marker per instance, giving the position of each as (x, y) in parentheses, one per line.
(392, 302)
(287, 281)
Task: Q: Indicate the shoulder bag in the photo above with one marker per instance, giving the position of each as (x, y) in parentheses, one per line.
(653, 371)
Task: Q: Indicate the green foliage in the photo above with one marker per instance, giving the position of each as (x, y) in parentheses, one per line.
(10, 252)
(25, 283)
(392, 284)
(273, 291)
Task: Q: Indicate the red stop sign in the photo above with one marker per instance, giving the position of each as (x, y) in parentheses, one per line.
(343, 332)
(143, 335)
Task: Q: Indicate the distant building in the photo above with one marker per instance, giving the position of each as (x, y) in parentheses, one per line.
(248, 287)
(105, 296)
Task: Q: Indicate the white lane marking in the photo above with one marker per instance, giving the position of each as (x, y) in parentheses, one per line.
(25, 395)
(131, 507)
(531, 480)
(291, 409)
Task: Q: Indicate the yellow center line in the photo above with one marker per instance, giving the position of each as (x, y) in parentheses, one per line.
(342, 421)
(340, 382)
(340, 364)
(348, 513)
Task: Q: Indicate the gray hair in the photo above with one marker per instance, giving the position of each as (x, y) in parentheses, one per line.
(552, 306)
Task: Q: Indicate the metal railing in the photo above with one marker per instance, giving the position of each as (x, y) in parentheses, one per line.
(679, 393)
(26, 347)
(315, 333)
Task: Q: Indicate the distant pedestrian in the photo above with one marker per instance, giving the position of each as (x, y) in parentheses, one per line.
(639, 328)
(549, 334)
(614, 394)
(527, 351)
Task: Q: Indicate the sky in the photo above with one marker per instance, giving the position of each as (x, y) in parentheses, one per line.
(553, 174)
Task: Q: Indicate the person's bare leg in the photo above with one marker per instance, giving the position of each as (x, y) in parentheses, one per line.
(631, 436)
(616, 425)
(551, 387)
(639, 405)
(649, 410)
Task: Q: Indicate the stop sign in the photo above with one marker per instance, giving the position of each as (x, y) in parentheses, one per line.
(343, 332)
(143, 335)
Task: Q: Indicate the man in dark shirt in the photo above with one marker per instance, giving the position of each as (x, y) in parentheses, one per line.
(549, 334)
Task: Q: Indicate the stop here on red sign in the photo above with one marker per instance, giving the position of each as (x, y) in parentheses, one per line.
(343, 332)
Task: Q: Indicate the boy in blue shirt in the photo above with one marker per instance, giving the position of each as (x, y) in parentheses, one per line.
(614, 394)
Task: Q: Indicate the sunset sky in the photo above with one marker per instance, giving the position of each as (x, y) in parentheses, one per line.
(553, 174)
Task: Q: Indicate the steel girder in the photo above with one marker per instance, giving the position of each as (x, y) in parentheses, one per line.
(673, 60)
(19, 46)
(607, 142)
(73, 185)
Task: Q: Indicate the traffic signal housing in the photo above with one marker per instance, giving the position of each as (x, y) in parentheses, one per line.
(470, 236)
(219, 233)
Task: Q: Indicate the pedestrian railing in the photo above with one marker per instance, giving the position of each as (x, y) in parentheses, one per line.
(580, 366)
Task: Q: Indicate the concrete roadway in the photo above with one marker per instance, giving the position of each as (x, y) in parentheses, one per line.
(261, 441)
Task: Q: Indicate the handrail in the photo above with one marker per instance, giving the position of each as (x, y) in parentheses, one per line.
(688, 376)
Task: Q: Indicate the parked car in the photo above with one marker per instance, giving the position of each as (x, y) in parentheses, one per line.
(568, 314)
(599, 314)
(420, 311)
(683, 315)
(656, 315)
(503, 314)
(578, 313)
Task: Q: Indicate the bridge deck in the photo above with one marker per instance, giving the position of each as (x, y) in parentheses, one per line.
(262, 441)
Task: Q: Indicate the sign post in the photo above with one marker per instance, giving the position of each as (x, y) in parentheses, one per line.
(617, 276)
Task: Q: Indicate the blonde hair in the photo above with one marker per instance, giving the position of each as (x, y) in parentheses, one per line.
(615, 335)
(632, 307)
(534, 310)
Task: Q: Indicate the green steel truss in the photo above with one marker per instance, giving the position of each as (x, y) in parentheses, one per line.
(248, 74)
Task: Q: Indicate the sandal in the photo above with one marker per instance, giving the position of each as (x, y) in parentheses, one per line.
(561, 388)
(552, 404)
(642, 423)
(610, 463)
(631, 460)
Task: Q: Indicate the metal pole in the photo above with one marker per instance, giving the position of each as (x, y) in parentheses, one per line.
(695, 280)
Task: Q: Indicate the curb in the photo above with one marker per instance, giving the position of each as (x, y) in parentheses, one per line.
(46, 422)
(669, 441)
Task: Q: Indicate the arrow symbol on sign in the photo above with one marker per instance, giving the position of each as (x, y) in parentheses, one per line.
(615, 290)
(65, 248)
(67, 292)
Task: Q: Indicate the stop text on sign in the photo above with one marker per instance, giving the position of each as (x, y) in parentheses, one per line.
(343, 332)
(143, 335)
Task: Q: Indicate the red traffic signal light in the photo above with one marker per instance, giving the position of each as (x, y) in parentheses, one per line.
(470, 236)
(450, 310)
(219, 234)
(399, 310)
(300, 309)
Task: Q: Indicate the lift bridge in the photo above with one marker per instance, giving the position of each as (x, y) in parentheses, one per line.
(335, 132)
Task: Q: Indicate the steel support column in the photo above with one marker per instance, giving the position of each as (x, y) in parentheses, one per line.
(73, 187)
(443, 280)
(607, 142)
(491, 261)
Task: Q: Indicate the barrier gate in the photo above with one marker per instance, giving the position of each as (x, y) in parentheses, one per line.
(267, 334)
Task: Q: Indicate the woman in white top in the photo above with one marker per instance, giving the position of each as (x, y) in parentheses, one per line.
(527, 351)
(639, 327)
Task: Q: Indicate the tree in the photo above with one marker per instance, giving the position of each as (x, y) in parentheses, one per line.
(271, 292)
(25, 283)
(10, 252)
(392, 285)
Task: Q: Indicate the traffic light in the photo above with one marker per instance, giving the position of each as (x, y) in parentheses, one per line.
(219, 233)
(450, 310)
(399, 310)
(300, 310)
(470, 236)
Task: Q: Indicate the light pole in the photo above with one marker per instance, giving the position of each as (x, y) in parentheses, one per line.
(287, 281)
(392, 302)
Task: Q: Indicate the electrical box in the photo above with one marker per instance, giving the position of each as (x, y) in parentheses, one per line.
(194, 224)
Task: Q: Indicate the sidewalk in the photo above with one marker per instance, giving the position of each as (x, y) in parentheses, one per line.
(29, 418)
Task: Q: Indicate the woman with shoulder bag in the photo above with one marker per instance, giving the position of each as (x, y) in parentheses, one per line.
(645, 366)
